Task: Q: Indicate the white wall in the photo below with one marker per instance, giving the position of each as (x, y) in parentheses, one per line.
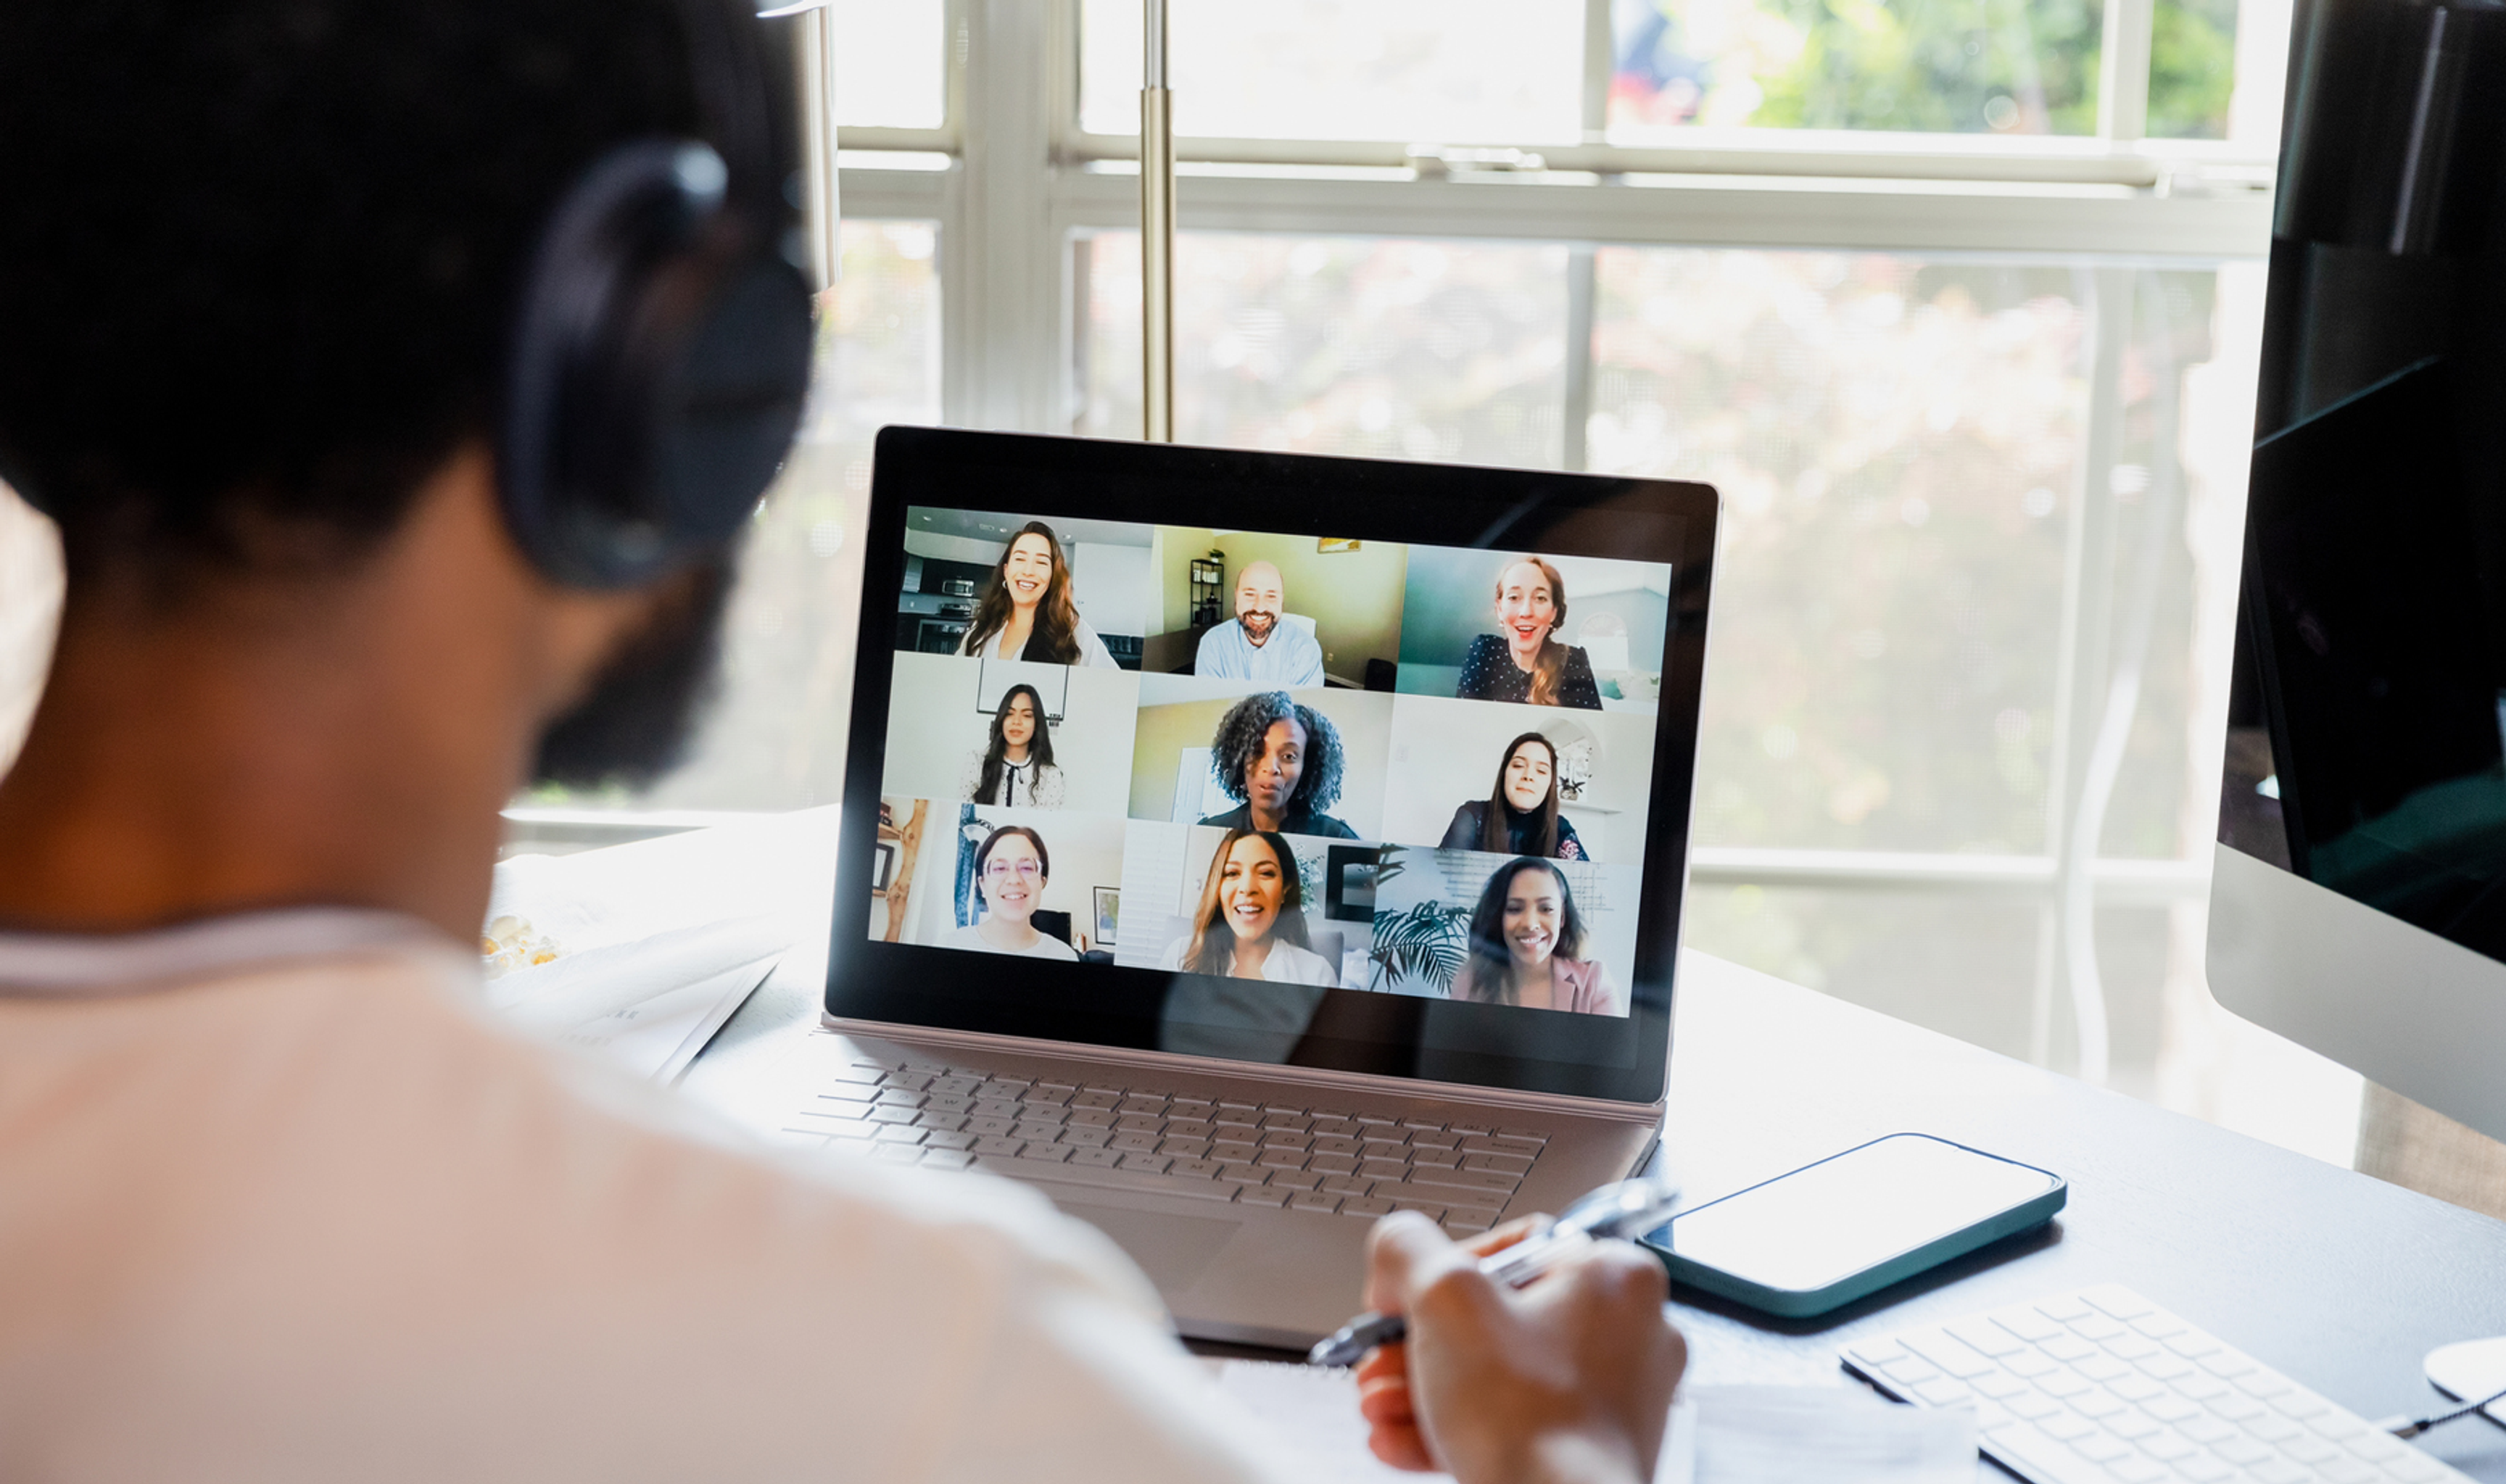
(1110, 586)
(1445, 752)
(933, 722)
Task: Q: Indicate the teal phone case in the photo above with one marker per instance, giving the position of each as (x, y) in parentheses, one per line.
(1803, 1303)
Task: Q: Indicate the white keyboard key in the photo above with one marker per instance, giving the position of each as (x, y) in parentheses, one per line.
(1101, 1159)
(1313, 1200)
(1264, 1196)
(1110, 1179)
(1365, 1206)
(1951, 1353)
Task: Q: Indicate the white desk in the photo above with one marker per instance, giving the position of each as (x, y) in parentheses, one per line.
(2334, 1278)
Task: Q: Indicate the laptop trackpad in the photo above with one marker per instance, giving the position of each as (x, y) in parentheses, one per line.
(1174, 1251)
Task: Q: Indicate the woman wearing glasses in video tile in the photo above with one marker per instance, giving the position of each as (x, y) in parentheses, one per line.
(1251, 921)
(1524, 660)
(1283, 760)
(1028, 612)
(1017, 767)
(1011, 868)
(1525, 939)
(1520, 816)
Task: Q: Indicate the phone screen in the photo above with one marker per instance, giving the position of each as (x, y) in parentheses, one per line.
(1821, 1224)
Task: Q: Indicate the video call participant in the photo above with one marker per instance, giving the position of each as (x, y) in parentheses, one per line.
(1520, 816)
(1524, 660)
(1026, 612)
(1526, 935)
(245, 852)
(1251, 921)
(1259, 643)
(1016, 769)
(1283, 760)
(1011, 868)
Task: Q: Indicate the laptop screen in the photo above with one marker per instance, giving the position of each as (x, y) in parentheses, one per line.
(1273, 758)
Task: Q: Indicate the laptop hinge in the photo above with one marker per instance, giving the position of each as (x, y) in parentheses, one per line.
(1204, 1065)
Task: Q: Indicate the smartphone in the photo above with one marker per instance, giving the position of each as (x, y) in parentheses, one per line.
(1828, 1233)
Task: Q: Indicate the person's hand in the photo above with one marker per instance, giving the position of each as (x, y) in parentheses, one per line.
(1567, 1380)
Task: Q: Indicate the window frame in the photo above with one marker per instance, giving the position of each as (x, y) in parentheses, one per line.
(1014, 183)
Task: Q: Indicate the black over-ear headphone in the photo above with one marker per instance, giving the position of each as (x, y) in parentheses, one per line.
(660, 353)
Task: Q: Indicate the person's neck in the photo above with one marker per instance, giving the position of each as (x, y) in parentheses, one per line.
(1526, 662)
(1020, 628)
(1534, 986)
(1003, 932)
(1014, 755)
(339, 740)
(1273, 823)
(1250, 957)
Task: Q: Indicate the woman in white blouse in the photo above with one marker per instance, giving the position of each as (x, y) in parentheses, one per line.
(1011, 868)
(1027, 612)
(1017, 767)
(1251, 922)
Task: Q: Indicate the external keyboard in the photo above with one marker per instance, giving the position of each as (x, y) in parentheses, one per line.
(1171, 1142)
(2104, 1386)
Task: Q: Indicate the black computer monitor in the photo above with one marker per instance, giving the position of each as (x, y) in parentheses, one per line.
(2358, 902)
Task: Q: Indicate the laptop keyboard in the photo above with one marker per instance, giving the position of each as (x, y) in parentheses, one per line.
(2104, 1387)
(1161, 1140)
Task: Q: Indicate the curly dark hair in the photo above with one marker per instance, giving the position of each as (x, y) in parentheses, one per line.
(259, 264)
(1238, 744)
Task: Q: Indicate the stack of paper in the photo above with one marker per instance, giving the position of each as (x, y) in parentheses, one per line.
(1718, 1435)
(656, 942)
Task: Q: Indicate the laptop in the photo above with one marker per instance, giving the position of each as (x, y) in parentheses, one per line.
(1238, 846)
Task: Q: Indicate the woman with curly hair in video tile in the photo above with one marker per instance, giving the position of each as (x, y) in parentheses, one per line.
(1283, 761)
(1526, 946)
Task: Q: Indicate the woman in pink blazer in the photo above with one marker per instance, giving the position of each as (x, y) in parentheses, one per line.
(1526, 946)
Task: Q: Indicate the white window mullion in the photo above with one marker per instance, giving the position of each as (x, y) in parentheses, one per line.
(2122, 71)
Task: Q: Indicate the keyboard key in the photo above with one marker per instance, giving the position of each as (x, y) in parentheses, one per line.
(2097, 1448)
(1467, 1180)
(2204, 1471)
(2002, 1386)
(1951, 1354)
(1086, 1138)
(1111, 1179)
(947, 1160)
(1246, 1173)
(1313, 1200)
(2282, 1471)
(2033, 1406)
(949, 1141)
(1146, 1164)
(1461, 1225)
(1379, 1169)
(1344, 1184)
(901, 1133)
(884, 1115)
(1530, 1136)
(1431, 1213)
(1264, 1196)
(2066, 1426)
(1942, 1392)
(1986, 1338)
(2131, 1426)
(844, 1093)
(2136, 1470)
(1503, 1164)
(987, 1127)
(897, 1153)
(1330, 1146)
(1139, 1123)
(1295, 1180)
(1332, 1164)
(1102, 1159)
(1185, 1149)
(1365, 1206)
(1134, 1144)
(1200, 1169)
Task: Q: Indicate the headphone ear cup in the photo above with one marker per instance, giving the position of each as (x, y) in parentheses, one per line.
(658, 367)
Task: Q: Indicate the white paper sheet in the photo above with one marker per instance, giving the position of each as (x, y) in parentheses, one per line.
(1718, 1435)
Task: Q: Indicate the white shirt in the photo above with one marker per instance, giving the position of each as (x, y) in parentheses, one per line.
(1290, 656)
(1287, 964)
(314, 1218)
(1091, 649)
(1032, 783)
(1045, 947)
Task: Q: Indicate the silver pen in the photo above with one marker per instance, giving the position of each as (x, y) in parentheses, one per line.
(1629, 1208)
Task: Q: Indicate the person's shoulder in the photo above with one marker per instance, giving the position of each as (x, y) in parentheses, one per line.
(1482, 644)
(1049, 947)
(1303, 966)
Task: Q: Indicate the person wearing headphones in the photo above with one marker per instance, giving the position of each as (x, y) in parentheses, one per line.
(398, 378)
